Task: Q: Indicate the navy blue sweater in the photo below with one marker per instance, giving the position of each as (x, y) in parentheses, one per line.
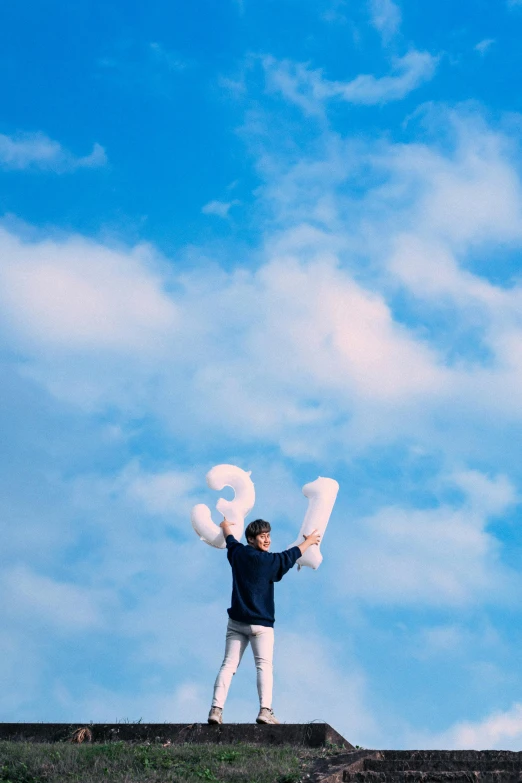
(253, 575)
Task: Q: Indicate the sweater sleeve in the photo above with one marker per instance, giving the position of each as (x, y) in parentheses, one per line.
(283, 562)
(232, 546)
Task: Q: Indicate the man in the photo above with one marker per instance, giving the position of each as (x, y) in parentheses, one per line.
(251, 616)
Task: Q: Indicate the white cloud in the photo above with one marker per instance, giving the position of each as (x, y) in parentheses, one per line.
(94, 321)
(164, 493)
(38, 151)
(468, 199)
(441, 640)
(386, 18)
(76, 295)
(219, 208)
(153, 702)
(349, 332)
(456, 640)
(484, 46)
(497, 731)
(433, 206)
(335, 12)
(309, 89)
(489, 496)
(302, 352)
(254, 339)
(436, 556)
(36, 599)
(97, 157)
(470, 194)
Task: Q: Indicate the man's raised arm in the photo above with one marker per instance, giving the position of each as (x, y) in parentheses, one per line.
(227, 528)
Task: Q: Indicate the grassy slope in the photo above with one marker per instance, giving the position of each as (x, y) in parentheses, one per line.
(121, 762)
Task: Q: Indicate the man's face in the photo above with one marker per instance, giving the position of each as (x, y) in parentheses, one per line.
(262, 541)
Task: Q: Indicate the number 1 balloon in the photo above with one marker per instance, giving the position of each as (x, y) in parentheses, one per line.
(321, 495)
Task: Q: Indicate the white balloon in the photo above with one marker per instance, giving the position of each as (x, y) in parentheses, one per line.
(321, 495)
(234, 510)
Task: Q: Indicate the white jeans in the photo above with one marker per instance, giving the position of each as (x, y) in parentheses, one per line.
(237, 639)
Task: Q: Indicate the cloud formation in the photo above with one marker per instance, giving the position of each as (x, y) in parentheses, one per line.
(441, 556)
(497, 731)
(386, 18)
(38, 151)
(75, 295)
(484, 46)
(300, 342)
(219, 208)
(45, 601)
(310, 90)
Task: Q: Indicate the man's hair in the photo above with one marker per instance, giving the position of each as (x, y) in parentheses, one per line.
(256, 527)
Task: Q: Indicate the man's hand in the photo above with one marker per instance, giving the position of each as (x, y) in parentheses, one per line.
(227, 528)
(313, 538)
(310, 540)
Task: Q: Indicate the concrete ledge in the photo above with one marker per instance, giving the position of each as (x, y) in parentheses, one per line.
(312, 735)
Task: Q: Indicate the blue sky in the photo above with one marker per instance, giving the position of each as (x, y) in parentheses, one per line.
(284, 236)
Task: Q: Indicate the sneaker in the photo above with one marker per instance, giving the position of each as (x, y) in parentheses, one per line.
(267, 716)
(215, 715)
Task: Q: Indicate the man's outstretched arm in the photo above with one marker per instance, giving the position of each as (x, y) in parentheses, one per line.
(284, 561)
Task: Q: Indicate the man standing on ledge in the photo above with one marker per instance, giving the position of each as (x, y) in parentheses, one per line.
(251, 616)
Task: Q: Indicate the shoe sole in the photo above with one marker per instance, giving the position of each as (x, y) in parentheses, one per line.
(267, 722)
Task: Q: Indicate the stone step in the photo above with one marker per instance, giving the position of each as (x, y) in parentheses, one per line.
(330, 769)
(445, 761)
(398, 766)
(420, 776)
(464, 755)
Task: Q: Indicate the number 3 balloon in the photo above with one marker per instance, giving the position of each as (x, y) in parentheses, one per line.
(234, 510)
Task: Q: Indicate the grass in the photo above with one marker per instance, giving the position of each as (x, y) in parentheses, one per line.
(123, 762)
